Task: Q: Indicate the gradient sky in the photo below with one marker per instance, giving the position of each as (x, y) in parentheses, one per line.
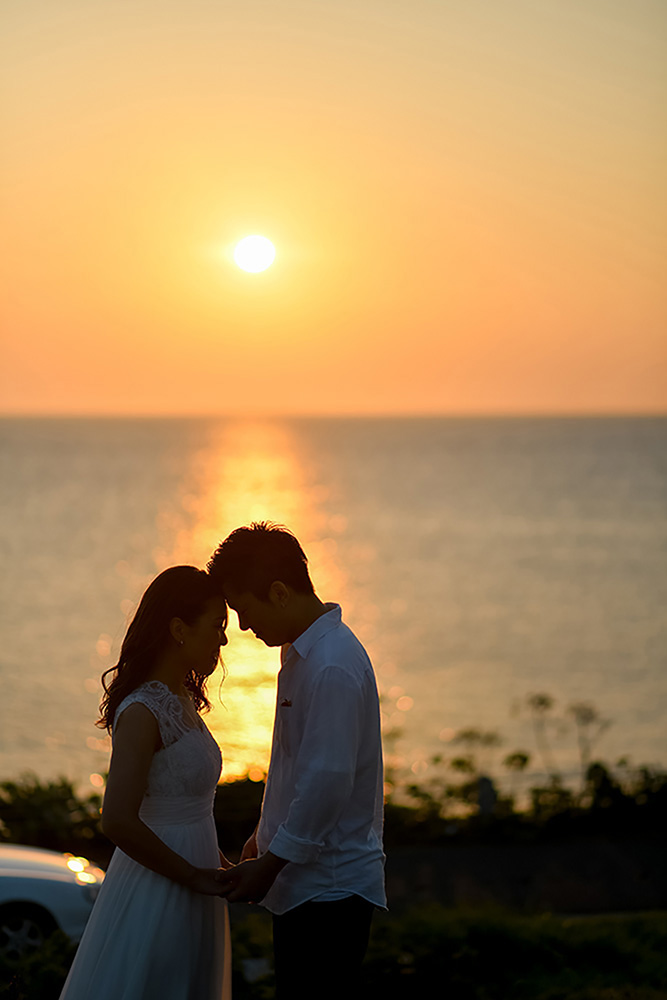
(467, 199)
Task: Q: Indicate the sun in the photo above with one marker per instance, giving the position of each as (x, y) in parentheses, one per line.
(254, 253)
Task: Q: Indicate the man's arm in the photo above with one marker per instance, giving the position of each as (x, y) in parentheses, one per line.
(325, 766)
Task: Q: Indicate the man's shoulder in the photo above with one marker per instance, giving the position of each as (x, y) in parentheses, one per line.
(339, 649)
(340, 636)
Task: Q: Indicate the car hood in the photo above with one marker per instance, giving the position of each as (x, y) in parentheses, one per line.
(35, 861)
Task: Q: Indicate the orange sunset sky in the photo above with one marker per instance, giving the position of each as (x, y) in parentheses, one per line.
(467, 200)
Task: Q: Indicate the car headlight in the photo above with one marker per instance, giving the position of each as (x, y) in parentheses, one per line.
(89, 878)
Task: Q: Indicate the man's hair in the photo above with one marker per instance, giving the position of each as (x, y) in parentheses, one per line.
(252, 558)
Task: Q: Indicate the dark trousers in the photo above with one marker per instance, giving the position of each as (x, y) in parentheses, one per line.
(319, 947)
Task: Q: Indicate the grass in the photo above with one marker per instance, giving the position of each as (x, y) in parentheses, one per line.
(494, 955)
(434, 952)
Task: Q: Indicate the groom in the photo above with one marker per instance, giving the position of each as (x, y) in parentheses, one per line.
(315, 859)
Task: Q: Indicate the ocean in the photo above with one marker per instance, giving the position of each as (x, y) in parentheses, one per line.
(481, 561)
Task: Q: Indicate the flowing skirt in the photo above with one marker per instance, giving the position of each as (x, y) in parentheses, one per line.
(149, 938)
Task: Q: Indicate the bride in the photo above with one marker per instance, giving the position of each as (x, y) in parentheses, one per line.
(158, 928)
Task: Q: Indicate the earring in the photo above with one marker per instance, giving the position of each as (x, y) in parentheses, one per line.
(181, 642)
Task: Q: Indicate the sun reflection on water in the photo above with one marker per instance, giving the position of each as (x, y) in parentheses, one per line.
(247, 470)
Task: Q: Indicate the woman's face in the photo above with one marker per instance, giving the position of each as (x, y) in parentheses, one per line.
(203, 639)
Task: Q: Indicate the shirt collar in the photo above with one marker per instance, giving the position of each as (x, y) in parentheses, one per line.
(330, 619)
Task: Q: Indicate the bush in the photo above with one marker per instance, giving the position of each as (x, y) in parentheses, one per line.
(496, 955)
(433, 951)
(236, 812)
(53, 816)
(39, 975)
(490, 955)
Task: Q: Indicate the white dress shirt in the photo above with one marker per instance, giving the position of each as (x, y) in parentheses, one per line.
(323, 804)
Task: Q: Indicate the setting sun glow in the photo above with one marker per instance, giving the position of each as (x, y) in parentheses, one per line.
(481, 191)
(254, 253)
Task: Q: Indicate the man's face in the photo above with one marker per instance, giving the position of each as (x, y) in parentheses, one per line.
(265, 618)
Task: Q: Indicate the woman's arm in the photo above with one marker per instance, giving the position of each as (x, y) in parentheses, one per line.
(136, 738)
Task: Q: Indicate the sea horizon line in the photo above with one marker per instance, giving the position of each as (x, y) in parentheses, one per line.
(352, 415)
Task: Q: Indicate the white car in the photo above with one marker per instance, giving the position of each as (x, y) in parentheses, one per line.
(41, 891)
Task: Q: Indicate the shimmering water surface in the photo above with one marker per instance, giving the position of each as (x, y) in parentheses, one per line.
(479, 560)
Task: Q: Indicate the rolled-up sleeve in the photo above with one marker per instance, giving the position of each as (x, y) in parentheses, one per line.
(325, 766)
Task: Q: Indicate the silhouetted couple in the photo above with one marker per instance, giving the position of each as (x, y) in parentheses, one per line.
(160, 927)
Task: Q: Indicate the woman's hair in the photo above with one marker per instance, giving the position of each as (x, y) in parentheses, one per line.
(252, 558)
(178, 592)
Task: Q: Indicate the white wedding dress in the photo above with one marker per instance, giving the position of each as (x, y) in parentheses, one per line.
(149, 938)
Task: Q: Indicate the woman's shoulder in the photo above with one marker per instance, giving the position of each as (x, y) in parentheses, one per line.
(154, 695)
(165, 705)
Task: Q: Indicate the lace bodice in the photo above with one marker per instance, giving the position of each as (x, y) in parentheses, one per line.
(189, 762)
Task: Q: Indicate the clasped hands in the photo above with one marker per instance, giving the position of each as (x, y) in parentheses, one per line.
(247, 882)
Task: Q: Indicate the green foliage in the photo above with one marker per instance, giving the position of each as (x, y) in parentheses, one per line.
(252, 954)
(236, 811)
(468, 956)
(517, 761)
(41, 974)
(490, 955)
(49, 814)
(433, 951)
(632, 804)
(626, 800)
(495, 955)
(457, 796)
(551, 800)
(457, 787)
